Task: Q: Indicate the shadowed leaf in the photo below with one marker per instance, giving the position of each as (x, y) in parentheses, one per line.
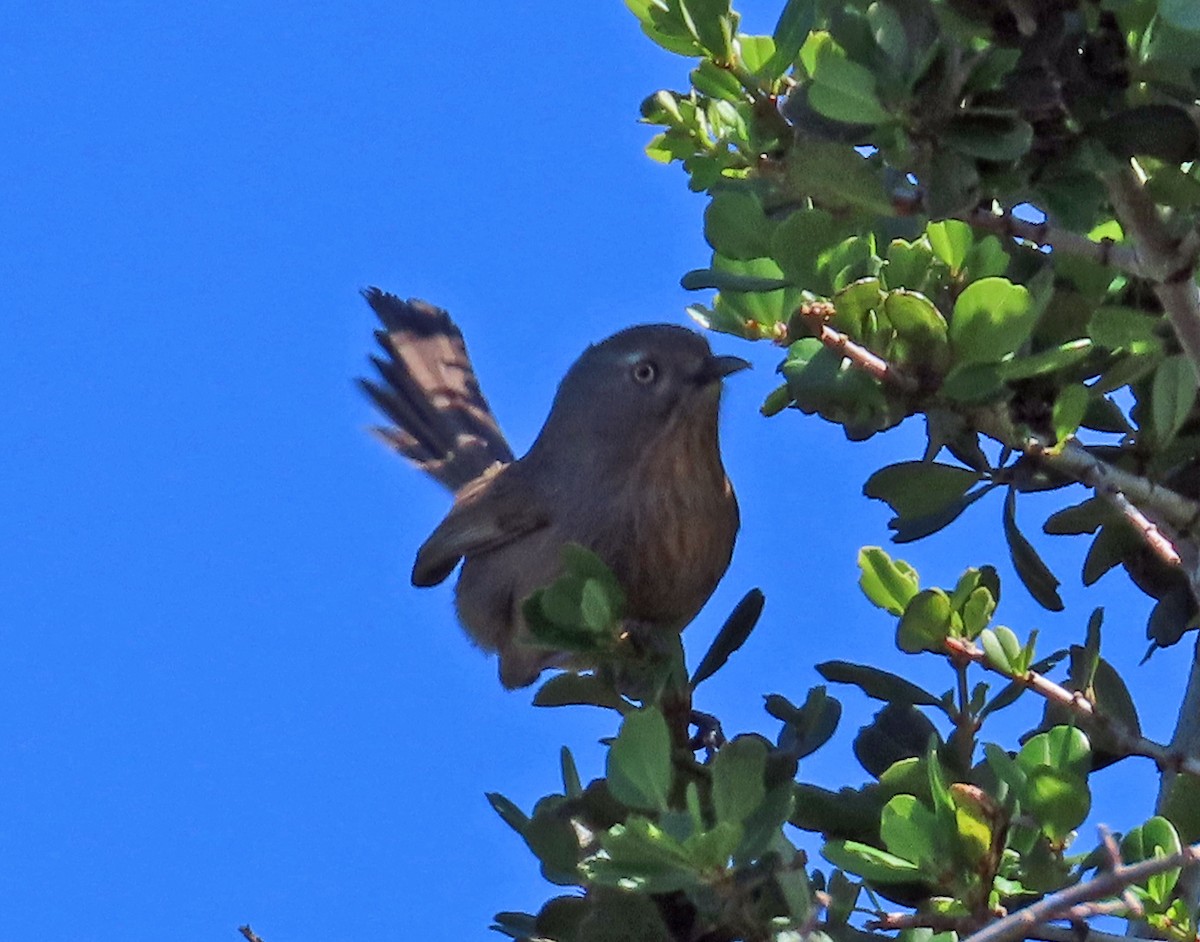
(733, 635)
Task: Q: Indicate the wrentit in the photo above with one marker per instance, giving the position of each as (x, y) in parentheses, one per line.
(627, 465)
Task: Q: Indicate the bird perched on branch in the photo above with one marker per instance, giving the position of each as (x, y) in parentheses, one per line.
(627, 465)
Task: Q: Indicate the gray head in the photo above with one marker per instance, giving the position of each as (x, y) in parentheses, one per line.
(623, 392)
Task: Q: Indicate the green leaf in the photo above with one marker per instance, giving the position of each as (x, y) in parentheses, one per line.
(889, 584)
(572, 689)
(594, 606)
(920, 328)
(1173, 395)
(791, 30)
(641, 855)
(572, 787)
(715, 82)
(1156, 838)
(806, 728)
(1046, 361)
(911, 831)
(1068, 412)
(987, 259)
(925, 624)
(992, 318)
(870, 863)
(798, 243)
(1124, 328)
(737, 778)
(1003, 650)
(513, 816)
(1058, 800)
(988, 137)
(712, 24)
(841, 89)
(977, 612)
(951, 240)
(1182, 807)
(907, 264)
(756, 53)
(611, 916)
(1063, 747)
(639, 761)
(1035, 574)
(735, 225)
(733, 635)
(918, 488)
(973, 383)
(877, 684)
(701, 278)
(887, 29)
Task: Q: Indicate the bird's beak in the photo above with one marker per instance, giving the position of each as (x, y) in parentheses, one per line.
(718, 367)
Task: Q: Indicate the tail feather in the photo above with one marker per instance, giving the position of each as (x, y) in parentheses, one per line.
(429, 390)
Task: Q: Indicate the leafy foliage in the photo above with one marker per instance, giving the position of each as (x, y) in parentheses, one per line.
(920, 202)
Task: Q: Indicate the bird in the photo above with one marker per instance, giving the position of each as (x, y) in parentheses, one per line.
(627, 465)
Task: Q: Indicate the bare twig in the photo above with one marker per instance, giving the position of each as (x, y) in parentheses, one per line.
(1105, 252)
(1127, 741)
(813, 316)
(1081, 900)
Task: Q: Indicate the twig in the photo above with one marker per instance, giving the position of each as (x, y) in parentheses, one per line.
(1080, 932)
(1080, 901)
(1105, 252)
(1181, 513)
(813, 315)
(1127, 741)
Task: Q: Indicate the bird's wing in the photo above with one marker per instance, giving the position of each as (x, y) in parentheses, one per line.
(491, 511)
(429, 390)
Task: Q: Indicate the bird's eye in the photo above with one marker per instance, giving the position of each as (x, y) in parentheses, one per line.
(645, 372)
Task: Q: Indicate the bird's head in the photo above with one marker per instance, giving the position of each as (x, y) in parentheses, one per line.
(626, 391)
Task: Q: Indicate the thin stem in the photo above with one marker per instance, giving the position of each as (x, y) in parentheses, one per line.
(1127, 741)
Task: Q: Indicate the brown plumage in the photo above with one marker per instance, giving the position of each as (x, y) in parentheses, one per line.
(627, 464)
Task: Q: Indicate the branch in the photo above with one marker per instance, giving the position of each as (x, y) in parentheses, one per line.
(1105, 252)
(1079, 932)
(1076, 902)
(1075, 461)
(1127, 741)
(1168, 262)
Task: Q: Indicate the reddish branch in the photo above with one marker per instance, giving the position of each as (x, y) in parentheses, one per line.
(1127, 741)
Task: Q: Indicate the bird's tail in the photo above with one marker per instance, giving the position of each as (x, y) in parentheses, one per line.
(428, 389)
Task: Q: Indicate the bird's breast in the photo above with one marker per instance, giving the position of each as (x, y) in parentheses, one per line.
(678, 530)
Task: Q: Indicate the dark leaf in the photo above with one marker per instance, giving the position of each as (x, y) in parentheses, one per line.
(878, 684)
(733, 635)
(1163, 131)
(896, 732)
(919, 488)
(572, 689)
(1034, 573)
(806, 728)
(702, 278)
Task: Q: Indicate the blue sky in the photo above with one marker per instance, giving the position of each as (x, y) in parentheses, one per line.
(220, 700)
